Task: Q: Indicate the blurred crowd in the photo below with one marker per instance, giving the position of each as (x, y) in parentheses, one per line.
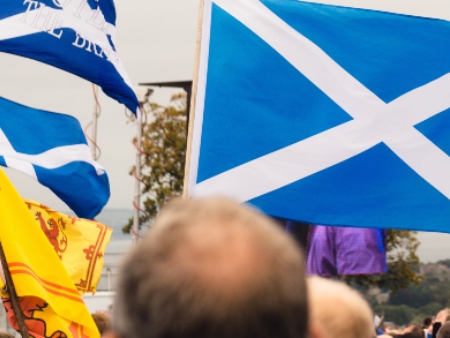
(213, 268)
(433, 327)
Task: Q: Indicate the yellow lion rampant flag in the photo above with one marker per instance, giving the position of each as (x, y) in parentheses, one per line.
(51, 303)
(79, 243)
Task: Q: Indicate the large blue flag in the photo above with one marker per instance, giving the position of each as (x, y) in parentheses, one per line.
(74, 35)
(52, 148)
(324, 114)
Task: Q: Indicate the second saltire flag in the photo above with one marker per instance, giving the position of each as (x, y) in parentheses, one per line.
(53, 149)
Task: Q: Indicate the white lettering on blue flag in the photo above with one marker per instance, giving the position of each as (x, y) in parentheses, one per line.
(82, 41)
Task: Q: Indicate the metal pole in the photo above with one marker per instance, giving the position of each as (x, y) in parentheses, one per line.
(143, 96)
(108, 271)
(137, 184)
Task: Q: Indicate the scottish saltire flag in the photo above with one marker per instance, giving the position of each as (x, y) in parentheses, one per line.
(346, 251)
(52, 148)
(77, 36)
(324, 114)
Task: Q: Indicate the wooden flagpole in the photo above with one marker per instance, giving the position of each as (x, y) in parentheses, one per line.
(13, 295)
(193, 99)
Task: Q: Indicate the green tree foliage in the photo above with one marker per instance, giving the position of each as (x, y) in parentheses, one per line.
(163, 158)
(401, 247)
(430, 290)
(164, 151)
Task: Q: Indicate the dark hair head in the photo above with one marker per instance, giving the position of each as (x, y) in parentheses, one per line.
(427, 321)
(212, 268)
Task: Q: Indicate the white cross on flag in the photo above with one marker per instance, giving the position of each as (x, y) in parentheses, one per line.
(324, 114)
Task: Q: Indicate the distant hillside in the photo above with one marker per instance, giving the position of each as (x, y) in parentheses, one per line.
(439, 270)
(417, 301)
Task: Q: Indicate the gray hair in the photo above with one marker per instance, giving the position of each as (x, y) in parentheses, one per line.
(212, 268)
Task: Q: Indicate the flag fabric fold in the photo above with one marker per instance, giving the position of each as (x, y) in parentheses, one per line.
(324, 114)
(75, 36)
(52, 148)
(79, 243)
(48, 296)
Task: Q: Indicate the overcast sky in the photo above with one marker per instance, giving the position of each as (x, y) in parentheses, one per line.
(156, 42)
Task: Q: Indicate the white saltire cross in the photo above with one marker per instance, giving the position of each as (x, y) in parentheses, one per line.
(50, 159)
(373, 122)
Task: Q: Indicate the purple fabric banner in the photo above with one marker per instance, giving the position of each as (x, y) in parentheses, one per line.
(346, 251)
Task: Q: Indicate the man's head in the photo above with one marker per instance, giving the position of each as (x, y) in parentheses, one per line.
(444, 331)
(212, 268)
(337, 311)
